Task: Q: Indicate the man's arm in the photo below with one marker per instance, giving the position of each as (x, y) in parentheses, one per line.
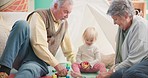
(67, 48)
(39, 44)
(38, 40)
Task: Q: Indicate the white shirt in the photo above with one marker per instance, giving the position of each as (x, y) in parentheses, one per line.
(88, 53)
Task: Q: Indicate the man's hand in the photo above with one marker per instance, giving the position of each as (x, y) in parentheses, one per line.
(61, 70)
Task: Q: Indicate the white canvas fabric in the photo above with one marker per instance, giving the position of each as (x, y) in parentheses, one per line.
(87, 13)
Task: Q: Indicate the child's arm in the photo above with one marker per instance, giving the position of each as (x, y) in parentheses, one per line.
(97, 57)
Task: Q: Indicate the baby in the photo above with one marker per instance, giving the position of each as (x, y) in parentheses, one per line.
(88, 57)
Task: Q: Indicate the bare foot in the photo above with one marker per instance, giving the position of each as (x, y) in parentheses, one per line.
(76, 75)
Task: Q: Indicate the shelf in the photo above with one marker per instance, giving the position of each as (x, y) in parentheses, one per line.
(140, 5)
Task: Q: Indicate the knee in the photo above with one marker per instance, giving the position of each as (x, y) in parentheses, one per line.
(102, 64)
(27, 73)
(21, 25)
(117, 74)
(99, 65)
(30, 68)
(130, 74)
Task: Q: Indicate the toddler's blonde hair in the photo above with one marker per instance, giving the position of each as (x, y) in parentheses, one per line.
(90, 33)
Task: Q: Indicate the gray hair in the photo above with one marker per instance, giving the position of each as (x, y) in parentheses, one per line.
(121, 7)
(61, 2)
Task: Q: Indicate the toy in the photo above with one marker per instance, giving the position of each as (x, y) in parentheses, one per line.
(67, 76)
(54, 71)
(54, 76)
(85, 65)
(67, 66)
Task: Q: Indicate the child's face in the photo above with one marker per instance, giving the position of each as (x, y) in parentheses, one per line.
(89, 41)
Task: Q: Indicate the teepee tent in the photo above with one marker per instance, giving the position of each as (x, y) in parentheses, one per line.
(86, 13)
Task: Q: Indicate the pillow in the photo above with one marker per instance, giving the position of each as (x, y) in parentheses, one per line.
(14, 5)
(4, 32)
(108, 60)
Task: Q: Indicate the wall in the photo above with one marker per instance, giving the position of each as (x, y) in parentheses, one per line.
(147, 9)
(43, 4)
(31, 5)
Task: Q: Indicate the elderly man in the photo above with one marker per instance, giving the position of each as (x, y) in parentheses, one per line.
(31, 45)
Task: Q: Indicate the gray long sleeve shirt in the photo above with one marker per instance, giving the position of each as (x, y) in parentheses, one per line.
(135, 44)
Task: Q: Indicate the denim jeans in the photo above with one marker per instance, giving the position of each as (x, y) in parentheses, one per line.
(119, 73)
(19, 54)
(137, 71)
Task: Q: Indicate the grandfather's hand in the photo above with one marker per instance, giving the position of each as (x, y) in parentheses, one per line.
(61, 70)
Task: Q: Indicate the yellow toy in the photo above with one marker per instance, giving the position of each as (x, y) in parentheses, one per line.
(85, 65)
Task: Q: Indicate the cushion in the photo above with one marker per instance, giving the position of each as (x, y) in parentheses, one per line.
(14, 5)
(4, 32)
(108, 60)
